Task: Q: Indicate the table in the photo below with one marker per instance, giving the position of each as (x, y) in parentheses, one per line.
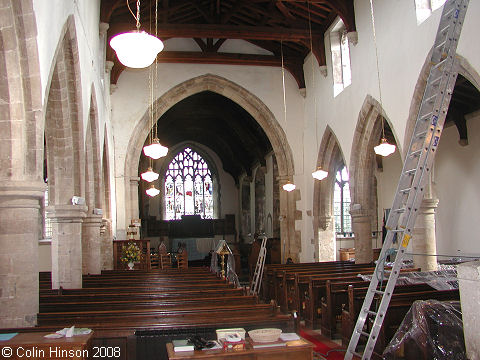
(302, 352)
(34, 346)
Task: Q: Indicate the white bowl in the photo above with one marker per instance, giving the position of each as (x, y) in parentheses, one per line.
(265, 335)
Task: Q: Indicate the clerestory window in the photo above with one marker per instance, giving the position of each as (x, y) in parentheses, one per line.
(424, 8)
(340, 49)
(188, 186)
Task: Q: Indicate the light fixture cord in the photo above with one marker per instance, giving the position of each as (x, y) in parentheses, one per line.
(156, 68)
(313, 78)
(378, 67)
(137, 18)
(283, 84)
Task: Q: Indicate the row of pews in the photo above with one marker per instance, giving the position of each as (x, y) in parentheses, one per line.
(329, 296)
(155, 307)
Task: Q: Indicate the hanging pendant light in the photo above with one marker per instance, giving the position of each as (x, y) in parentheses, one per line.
(152, 191)
(384, 149)
(319, 174)
(149, 175)
(136, 49)
(289, 186)
(155, 150)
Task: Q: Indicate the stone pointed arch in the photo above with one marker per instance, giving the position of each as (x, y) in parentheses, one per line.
(257, 109)
(91, 240)
(63, 124)
(330, 158)
(106, 227)
(65, 159)
(362, 176)
(21, 156)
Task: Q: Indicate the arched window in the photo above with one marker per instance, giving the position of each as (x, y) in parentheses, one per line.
(188, 186)
(341, 202)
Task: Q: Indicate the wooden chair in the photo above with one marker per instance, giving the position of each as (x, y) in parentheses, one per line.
(182, 260)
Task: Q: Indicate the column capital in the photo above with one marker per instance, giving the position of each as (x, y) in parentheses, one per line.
(325, 222)
(92, 220)
(359, 214)
(103, 27)
(109, 66)
(21, 194)
(134, 181)
(431, 203)
(66, 213)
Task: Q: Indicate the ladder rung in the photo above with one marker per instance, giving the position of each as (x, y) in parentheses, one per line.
(363, 333)
(415, 153)
(379, 292)
(430, 98)
(410, 171)
(422, 134)
(400, 210)
(397, 230)
(371, 313)
(405, 190)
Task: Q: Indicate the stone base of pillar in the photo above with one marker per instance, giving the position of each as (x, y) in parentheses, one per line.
(91, 244)
(107, 244)
(66, 245)
(20, 225)
(469, 284)
(423, 239)
(362, 227)
(326, 239)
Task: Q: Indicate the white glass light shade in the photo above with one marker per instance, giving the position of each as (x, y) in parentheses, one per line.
(289, 186)
(384, 149)
(136, 49)
(155, 150)
(319, 174)
(152, 191)
(149, 175)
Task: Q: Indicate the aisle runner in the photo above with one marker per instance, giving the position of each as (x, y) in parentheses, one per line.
(323, 345)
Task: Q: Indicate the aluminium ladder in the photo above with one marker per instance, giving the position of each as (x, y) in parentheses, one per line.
(258, 274)
(415, 174)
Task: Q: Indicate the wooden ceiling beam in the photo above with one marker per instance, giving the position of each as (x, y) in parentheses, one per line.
(221, 31)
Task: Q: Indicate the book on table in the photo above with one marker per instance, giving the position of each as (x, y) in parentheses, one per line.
(182, 345)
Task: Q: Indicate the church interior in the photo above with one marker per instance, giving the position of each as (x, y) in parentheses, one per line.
(227, 174)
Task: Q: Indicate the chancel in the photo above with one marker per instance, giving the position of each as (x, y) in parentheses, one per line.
(119, 182)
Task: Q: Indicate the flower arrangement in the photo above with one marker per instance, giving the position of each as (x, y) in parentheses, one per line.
(130, 253)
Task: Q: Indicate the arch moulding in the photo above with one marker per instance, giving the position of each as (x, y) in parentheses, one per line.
(256, 108)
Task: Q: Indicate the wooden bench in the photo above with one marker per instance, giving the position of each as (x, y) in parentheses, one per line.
(400, 302)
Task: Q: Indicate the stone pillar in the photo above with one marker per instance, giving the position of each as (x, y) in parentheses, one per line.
(290, 248)
(423, 236)
(107, 244)
(326, 238)
(67, 245)
(362, 228)
(102, 33)
(91, 245)
(133, 205)
(20, 231)
(469, 284)
(108, 74)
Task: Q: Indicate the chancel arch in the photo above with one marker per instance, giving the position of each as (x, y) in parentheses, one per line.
(65, 161)
(250, 103)
(330, 158)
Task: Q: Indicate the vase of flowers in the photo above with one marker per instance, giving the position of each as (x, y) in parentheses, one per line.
(130, 254)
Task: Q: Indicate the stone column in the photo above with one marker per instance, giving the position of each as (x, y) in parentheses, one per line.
(107, 244)
(326, 238)
(469, 285)
(91, 245)
(290, 247)
(133, 205)
(67, 245)
(423, 239)
(102, 32)
(20, 231)
(362, 227)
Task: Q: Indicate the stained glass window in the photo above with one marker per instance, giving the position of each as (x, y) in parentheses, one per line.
(188, 187)
(341, 203)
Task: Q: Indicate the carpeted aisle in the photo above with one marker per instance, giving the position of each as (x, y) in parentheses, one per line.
(324, 347)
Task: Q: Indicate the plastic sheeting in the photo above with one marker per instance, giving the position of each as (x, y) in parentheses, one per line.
(430, 330)
(439, 280)
(231, 275)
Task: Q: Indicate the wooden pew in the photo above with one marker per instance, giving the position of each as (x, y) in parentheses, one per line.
(401, 299)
